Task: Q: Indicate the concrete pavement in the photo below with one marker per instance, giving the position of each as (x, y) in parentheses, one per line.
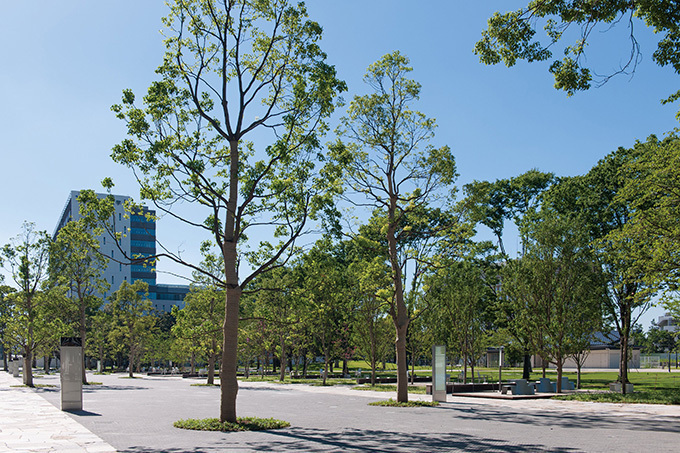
(28, 423)
(136, 415)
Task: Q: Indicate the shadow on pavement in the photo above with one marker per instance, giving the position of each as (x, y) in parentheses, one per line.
(357, 440)
(587, 420)
(82, 413)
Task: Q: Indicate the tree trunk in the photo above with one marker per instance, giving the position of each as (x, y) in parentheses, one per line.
(623, 359)
(374, 354)
(131, 363)
(578, 374)
(402, 365)
(559, 364)
(28, 367)
(413, 370)
(526, 372)
(398, 313)
(282, 374)
(211, 367)
(326, 358)
(465, 366)
(83, 334)
(229, 383)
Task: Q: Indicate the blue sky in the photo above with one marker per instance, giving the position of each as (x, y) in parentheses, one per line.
(66, 63)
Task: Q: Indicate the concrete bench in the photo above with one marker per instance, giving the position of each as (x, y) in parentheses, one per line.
(518, 387)
(567, 384)
(545, 386)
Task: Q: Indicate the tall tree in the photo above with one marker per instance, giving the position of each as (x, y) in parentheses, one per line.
(76, 264)
(233, 68)
(511, 36)
(392, 163)
(603, 214)
(32, 323)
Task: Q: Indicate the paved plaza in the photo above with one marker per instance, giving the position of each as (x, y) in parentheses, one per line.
(136, 415)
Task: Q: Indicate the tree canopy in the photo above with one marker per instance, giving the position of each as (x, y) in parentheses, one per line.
(511, 36)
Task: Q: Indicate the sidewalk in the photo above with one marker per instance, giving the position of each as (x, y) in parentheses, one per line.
(28, 423)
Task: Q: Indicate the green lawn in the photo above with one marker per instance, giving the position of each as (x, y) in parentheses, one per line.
(650, 387)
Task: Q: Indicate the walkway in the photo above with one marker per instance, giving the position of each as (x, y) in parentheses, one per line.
(28, 423)
(136, 415)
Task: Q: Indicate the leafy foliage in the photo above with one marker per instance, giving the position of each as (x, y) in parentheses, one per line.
(511, 36)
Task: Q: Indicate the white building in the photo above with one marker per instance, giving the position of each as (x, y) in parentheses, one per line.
(138, 240)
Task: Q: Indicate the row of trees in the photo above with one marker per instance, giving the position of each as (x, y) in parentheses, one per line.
(336, 300)
(58, 292)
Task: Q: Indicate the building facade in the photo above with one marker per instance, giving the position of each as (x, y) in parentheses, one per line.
(126, 254)
(667, 322)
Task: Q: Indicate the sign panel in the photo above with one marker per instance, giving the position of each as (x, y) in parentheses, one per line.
(71, 374)
(438, 373)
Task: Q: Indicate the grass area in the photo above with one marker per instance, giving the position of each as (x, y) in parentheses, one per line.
(205, 385)
(93, 383)
(650, 387)
(393, 403)
(664, 396)
(243, 424)
(419, 389)
(35, 385)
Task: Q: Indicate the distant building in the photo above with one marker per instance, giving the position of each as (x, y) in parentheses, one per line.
(668, 322)
(604, 352)
(138, 239)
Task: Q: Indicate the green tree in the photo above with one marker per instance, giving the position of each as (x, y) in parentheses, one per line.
(558, 285)
(32, 322)
(511, 36)
(276, 301)
(605, 215)
(464, 299)
(5, 311)
(373, 294)
(492, 203)
(392, 163)
(133, 322)
(100, 326)
(76, 264)
(200, 323)
(324, 285)
(232, 68)
(652, 190)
